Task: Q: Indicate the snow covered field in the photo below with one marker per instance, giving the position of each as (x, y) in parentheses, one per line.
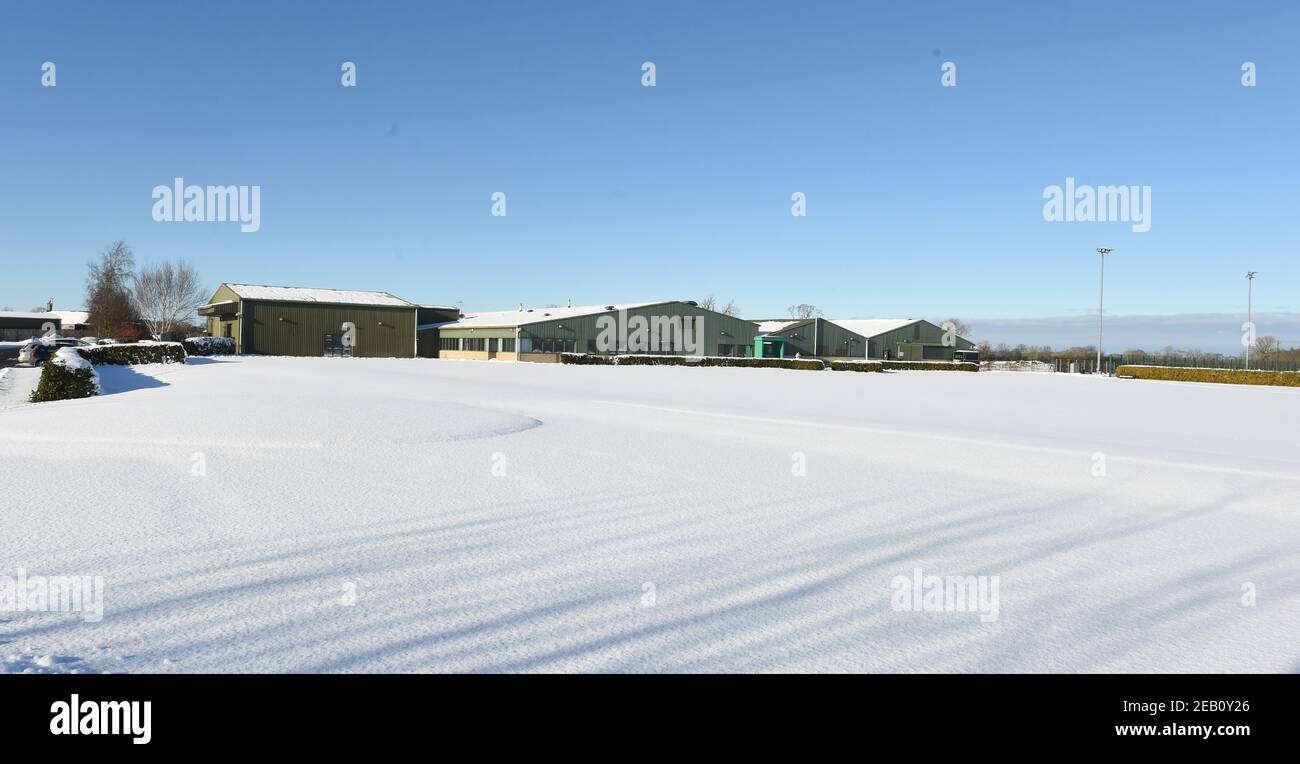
(273, 514)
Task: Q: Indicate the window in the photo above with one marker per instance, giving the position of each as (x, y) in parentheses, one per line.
(724, 349)
(449, 343)
(493, 344)
(526, 344)
(508, 345)
(475, 344)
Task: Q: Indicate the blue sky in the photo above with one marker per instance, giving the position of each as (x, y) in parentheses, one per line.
(922, 200)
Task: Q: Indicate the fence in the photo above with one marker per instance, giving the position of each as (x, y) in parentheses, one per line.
(1269, 362)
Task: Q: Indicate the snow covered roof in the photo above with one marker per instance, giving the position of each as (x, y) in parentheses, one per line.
(27, 314)
(70, 317)
(508, 318)
(767, 327)
(872, 327)
(307, 294)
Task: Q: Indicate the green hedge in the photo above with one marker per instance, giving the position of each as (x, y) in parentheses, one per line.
(209, 345)
(931, 365)
(580, 359)
(130, 355)
(61, 382)
(806, 364)
(855, 365)
(809, 364)
(649, 360)
(1224, 376)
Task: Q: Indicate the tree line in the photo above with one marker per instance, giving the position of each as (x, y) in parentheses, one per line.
(160, 298)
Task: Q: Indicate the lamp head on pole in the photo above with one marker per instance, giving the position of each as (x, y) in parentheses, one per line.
(1250, 275)
(1105, 250)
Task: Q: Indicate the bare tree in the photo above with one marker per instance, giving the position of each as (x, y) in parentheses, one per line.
(108, 289)
(167, 296)
(804, 310)
(711, 303)
(959, 326)
(1265, 346)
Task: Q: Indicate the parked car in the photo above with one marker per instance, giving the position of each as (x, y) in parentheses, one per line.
(39, 351)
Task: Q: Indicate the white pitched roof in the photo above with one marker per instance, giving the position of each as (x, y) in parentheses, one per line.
(500, 318)
(767, 327)
(872, 327)
(306, 294)
(69, 317)
(25, 314)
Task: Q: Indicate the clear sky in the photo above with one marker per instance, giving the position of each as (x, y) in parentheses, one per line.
(921, 200)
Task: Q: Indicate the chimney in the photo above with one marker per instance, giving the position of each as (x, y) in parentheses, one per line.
(521, 307)
(570, 302)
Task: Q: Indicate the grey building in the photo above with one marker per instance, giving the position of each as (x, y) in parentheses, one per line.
(681, 327)
(908, 339)
(16, 326)
(816, 337)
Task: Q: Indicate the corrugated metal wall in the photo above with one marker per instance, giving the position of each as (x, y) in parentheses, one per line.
(582, 331)
(299, 329)
(921, 333)
(832, 340)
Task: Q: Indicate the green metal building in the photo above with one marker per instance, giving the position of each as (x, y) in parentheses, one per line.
(541, 334)
(298, 321)
(808, 337)
(907, 339)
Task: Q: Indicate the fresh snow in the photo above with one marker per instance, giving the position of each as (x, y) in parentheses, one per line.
(16, 384)
(277, 514)
(873, 327)
(767, 327)
(525, 316)
(308, 294)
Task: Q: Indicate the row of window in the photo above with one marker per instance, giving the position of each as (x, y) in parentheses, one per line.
(478, 344)
(560, 345)
(548, 345)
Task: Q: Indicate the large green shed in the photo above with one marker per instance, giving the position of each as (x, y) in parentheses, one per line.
(300, 321)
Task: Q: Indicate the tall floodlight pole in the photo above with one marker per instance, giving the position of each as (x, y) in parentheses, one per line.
(1101, 300)
(1250, 289)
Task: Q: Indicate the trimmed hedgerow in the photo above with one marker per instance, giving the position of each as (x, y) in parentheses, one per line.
(130, 355)
(65, 376)
(931, 365)
(855, 365)
(209, 345)
(651, 360)
(582, 359)
(1223, 376)
(806, 364)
